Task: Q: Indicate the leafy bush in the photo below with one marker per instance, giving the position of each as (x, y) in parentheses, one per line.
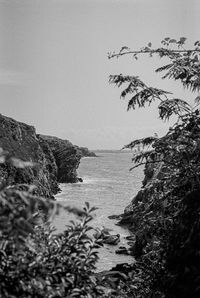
(36, 262)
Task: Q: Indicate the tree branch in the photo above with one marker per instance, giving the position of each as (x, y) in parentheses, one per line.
(110, 55)
(144, 163)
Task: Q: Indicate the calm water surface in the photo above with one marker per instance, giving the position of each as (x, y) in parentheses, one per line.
(109, 185)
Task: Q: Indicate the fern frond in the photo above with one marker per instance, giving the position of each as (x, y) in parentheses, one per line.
(142, 93)
(118, 80)
(146, 96)
(173, 106)
(165, 67)
(130, 89)
(141, 142)
(187, 73)
(144, 155)
(144, 158)
(197, 100)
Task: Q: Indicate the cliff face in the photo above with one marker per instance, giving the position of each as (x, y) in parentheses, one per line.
(56, 160)
(67, 158)
(152, 172)
(20, 140)
(85, 152)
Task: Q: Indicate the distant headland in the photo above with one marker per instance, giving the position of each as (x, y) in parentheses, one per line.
(56, 159)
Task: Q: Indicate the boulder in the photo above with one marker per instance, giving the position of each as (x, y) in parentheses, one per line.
(122, 250)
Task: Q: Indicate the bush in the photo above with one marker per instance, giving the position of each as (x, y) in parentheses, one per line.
(35, 261)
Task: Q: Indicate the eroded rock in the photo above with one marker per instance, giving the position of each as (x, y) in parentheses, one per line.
(55, 160)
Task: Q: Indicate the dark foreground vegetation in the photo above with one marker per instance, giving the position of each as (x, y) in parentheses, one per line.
(164, 216)
(37, 262)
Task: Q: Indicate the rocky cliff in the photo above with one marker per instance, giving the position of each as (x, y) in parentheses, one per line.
(56, 160)
(152, 172)
(85, 152)
(67, 158)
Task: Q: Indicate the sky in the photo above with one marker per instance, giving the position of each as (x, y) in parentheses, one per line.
(54, 68)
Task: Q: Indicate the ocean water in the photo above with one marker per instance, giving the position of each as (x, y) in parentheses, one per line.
(108, 185)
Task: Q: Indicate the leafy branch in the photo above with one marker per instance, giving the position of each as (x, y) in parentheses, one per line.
(164, 215)
(161, 51)
(184, 66)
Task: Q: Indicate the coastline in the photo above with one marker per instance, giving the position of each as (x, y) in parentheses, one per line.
(56, 160)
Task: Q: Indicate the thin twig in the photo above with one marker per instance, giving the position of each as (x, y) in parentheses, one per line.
(151, 52)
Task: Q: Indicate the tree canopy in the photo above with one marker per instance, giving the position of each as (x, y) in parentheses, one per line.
(167, 208)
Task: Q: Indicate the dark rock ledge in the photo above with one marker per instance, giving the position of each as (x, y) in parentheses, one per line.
(67, 158)
(56, 160)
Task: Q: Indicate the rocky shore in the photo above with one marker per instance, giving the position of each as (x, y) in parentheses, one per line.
(151, 173)
(56, 160)
(134, 212)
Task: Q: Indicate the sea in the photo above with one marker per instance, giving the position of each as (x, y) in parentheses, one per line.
(109, 185)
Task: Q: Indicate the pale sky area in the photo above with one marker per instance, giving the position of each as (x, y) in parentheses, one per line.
(54, 68)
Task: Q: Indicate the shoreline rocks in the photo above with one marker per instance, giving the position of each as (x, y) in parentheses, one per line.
(106, 237)
(133, 215)
(128, 217)
(122, 250)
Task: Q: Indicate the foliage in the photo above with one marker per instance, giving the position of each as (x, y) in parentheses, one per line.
(165, 213)
(36, 262)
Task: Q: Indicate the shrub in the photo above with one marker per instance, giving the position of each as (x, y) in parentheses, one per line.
(35, 261)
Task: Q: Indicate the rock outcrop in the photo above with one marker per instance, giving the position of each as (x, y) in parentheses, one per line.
(55, 160)
(67, 158)
(20, 140)
(142, 208)
(85, 152)
(152, 172)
